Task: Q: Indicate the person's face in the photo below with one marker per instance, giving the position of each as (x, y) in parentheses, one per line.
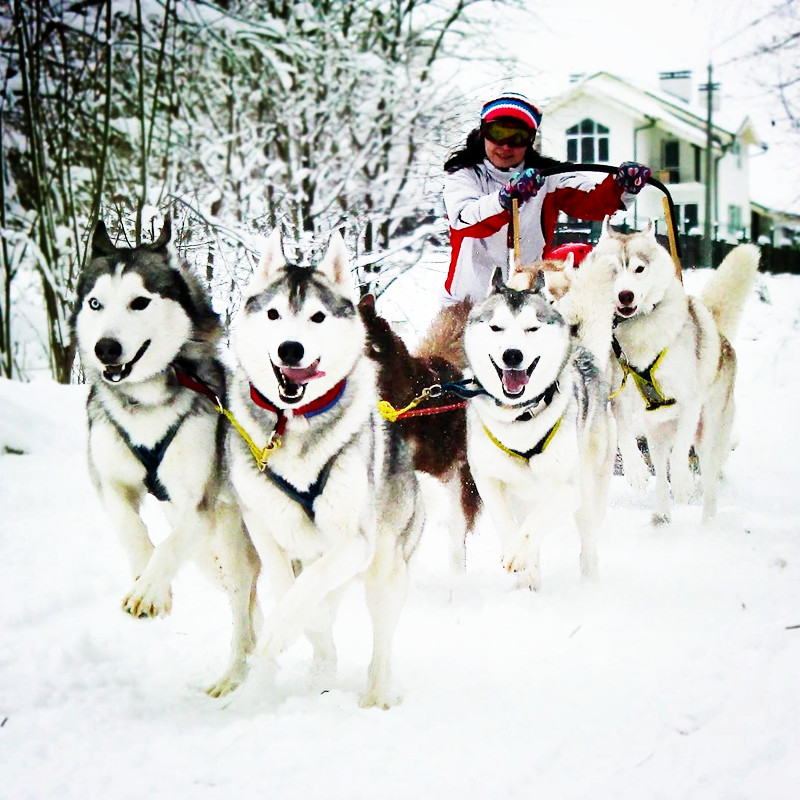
(505, 142)
(503, 156)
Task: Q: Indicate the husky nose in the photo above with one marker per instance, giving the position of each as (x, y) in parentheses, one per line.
(108, 351)
(291, 353)
(626, 298)
(512, 358)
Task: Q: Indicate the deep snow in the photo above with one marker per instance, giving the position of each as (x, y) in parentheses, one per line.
(675, 675)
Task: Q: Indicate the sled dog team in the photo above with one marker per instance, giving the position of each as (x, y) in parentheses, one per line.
(285, 464)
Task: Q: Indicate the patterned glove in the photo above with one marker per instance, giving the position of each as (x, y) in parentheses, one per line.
(522, 186)
(632, 176)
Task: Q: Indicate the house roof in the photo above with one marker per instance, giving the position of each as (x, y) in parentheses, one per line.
(665, 111)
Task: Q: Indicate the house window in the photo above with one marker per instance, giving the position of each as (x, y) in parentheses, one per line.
(687, 217)
(734, 219)
(672, 161)
(587, 142)
(698, 161)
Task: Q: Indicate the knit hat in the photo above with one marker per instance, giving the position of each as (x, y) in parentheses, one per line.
(514, 106)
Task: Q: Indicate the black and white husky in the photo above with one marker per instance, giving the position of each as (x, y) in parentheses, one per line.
(146, 336)
(540, 437)
(675, 368)
(327, 487)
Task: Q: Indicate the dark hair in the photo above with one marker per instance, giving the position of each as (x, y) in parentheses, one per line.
(474, 152)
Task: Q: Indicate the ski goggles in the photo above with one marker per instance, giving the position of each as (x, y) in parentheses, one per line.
(510, 135)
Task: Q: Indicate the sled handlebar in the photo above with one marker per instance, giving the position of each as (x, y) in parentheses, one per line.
(607, 168)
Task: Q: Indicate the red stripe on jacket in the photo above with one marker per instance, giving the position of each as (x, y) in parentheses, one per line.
(480, 230)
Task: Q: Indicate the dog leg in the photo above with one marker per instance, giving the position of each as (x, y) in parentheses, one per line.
(122, 506)
(635, 469)
(151, 595)
(659, 454)
(545, 513)
(232, 560)
(386, 585)
(713, 448)
(680, 473)
(297, 608)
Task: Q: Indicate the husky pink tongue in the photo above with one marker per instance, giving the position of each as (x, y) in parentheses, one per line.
(302, 374)
(514, 380)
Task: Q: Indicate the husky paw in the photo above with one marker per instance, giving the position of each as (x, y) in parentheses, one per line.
(682, 485)
(374, 698)
(231, 680)
(144, 601)
(527, 572)
(659, 519)
(637, 474)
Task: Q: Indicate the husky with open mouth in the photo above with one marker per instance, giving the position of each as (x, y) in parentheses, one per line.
(147, 338)
(674, 370)
(327, 487)
(540, 438)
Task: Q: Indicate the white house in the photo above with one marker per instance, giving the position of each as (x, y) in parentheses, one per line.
(605, 119)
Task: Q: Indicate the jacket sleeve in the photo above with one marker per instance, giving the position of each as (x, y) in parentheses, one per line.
(470, 212)
(581, 198)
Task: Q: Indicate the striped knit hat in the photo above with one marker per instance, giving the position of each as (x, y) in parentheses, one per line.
(514, 106)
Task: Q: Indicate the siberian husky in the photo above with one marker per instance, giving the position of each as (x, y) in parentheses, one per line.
(146, 336)
(332, 494)
(437, 436)
(675, 368)
(540, 438)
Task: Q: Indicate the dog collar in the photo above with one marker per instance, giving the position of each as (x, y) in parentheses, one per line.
(318, 406)
(654, 398)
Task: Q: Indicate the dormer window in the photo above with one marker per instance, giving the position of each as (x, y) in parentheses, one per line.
(587, 142)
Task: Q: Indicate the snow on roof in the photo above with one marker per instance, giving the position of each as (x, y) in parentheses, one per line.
(669, 112)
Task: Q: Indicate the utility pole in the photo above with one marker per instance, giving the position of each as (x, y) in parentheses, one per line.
(706, 251)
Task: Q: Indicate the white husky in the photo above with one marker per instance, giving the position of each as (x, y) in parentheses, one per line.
(338, 497)
(540, 439)
(675, 363)
(146, 335)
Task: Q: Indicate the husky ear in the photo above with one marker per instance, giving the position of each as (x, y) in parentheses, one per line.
(101, 242)
(272, 257)
(538, 281)
(497, 280)
(569, 262)
(336, 263)
(606, 231)
(165, 235)
(650, 230)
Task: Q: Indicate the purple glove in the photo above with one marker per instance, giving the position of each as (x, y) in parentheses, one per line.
(522, 186)
(632, 176)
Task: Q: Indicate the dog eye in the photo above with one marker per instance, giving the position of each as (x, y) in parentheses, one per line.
(139, 303)
(318, 317)
(273, 314)
(94, 304)
(495, 328)
(639, 269)
(532, 330)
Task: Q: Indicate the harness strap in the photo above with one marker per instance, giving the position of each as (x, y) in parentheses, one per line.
(652, 394)
(151, 457)
(304, 498)
(534, 451)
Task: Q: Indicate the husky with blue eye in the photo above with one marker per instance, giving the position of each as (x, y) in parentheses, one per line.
(327, 487)
(540, 436)
(147, 337)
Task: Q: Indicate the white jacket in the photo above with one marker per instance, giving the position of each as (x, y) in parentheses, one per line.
(479, 224)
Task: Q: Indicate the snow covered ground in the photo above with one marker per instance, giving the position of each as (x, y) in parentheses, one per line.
(674, 676)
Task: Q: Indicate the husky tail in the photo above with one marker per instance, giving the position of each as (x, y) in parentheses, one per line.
(727, 290)
(445, 336)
